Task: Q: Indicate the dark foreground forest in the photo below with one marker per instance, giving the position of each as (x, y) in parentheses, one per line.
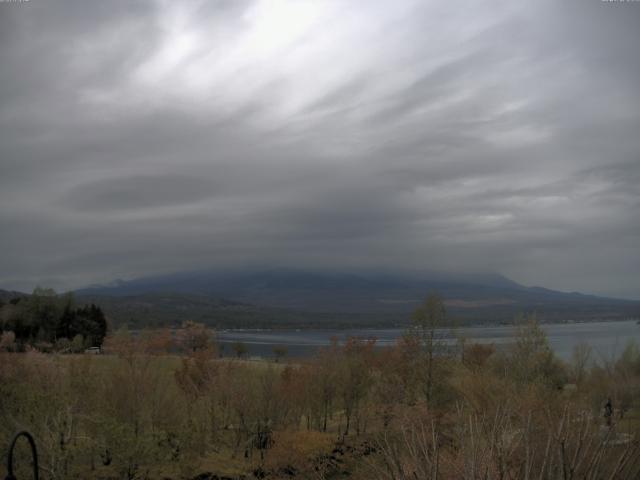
(417, 410)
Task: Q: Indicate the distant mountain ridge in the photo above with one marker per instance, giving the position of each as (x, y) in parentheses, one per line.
(344, 297)
(209, 282)
(6, 295)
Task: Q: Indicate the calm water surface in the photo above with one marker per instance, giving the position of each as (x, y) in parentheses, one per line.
(607, 339)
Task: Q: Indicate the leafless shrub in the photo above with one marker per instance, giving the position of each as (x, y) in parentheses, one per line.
(508, 445)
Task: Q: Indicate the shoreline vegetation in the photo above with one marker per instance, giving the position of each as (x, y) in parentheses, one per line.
(158, 311)
(163, 406)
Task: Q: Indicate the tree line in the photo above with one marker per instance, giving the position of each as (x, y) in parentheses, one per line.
(48, 321)
(424, 408)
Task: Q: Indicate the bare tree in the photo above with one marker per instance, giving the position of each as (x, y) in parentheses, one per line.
(427, 318)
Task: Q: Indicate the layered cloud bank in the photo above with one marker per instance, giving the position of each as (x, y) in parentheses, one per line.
(147, 137)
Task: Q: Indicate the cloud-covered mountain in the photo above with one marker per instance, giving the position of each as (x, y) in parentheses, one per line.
(344, 297)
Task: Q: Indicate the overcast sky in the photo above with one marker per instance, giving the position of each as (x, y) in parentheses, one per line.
(146, 137)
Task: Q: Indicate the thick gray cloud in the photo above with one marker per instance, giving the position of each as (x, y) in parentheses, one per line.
(147, 137)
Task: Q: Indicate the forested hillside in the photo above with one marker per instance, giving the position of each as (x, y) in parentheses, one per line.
(295, 298)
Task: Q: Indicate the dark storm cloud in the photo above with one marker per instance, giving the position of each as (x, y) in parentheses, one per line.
(139, 192)
(143, 137)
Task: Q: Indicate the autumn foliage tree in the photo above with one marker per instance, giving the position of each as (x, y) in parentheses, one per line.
(138, 412)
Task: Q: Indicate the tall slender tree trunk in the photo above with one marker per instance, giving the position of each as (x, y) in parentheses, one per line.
(324, 423)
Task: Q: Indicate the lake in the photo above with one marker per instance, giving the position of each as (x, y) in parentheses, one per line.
(608, 339)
